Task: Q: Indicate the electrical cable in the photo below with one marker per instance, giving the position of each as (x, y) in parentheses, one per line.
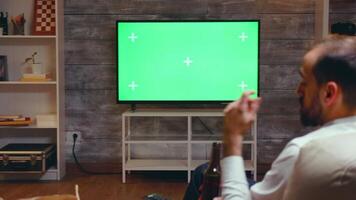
(81, 168)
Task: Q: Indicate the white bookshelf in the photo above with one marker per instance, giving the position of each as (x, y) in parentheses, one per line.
(187, 139)
(321, 19)
(33, 98)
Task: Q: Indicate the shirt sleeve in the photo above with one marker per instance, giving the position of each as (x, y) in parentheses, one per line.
(234, 182)
(235, 186)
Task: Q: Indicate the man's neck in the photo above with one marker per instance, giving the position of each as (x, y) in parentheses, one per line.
(338, 114)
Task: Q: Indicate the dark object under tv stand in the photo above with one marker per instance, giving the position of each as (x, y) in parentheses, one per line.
(133, 107)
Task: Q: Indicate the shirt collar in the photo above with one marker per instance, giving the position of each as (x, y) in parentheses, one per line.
(343, 120)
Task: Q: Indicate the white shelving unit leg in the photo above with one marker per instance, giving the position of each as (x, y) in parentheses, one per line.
(189, 158)
(254, 150)
(321, 19)
(123, 154)
(128, 135)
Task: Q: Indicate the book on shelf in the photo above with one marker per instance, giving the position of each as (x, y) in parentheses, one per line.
(34, 80)
(16, 123)
(38, 76)
(31, 77)
(14, 120)
(10, 116)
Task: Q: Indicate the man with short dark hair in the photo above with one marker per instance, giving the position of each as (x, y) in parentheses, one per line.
(327, 97)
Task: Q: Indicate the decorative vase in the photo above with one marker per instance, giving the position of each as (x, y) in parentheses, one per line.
(37, 68)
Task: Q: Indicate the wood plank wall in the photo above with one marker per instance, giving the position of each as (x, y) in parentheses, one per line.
(287, 31)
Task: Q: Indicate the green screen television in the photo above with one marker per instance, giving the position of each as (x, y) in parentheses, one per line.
(186, 61)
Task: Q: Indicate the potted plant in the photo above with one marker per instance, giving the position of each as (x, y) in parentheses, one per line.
(35, 68)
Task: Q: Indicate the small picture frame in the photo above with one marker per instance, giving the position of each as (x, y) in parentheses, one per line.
(3, 68)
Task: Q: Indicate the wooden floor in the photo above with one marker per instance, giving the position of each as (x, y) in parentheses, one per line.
(102, 187)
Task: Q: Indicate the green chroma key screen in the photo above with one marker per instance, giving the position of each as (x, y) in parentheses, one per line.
(200, 61)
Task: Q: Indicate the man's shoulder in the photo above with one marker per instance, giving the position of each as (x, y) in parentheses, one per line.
(325, 131)
(300, 141)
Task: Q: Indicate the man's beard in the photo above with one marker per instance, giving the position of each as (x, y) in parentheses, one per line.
(310, 116)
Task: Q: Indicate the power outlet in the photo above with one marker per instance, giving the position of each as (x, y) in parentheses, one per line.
(69, 137)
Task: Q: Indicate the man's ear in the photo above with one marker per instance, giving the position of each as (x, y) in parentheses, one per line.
(331, 93)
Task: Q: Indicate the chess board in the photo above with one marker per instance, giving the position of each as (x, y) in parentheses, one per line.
(44, 17)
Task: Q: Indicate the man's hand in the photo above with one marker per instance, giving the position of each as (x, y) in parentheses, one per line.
(239, 116)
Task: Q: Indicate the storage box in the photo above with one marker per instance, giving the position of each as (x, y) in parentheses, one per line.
(48, 121)
(29, 158)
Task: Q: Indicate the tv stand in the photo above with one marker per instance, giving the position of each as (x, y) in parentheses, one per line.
(187, 140)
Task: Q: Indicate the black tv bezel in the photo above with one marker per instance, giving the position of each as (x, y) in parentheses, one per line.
(134, 102)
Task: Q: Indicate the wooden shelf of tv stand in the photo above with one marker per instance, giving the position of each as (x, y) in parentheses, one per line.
(248, 164)
(171, 165)
(189, 139)
(175, 139)
(156, 165)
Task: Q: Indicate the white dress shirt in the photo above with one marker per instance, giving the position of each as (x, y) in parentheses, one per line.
(272, 187)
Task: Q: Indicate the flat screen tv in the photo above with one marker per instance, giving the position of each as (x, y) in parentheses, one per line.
(186, 61)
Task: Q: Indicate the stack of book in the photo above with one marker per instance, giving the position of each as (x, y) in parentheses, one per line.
(14, 120)
(35, 77)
